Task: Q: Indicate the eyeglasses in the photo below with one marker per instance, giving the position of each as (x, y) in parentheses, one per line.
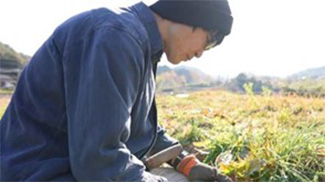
(214, 39)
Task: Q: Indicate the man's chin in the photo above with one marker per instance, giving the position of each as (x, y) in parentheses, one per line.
(174, 61)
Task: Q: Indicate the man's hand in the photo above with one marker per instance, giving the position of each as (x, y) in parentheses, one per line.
(195, 170)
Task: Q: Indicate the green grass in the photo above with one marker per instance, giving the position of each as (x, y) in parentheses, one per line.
(4, 101)
(249, 137)
(2, 111)
(6, 91)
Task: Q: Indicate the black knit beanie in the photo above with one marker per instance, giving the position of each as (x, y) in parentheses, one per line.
(211, 15)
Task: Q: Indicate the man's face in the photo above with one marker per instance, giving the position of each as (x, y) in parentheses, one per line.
(184, 42)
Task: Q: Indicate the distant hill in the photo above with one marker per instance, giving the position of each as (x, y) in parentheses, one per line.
(310, 81)
(163, 69)
(193, 75)
(11, 64)
(182, 76)
(8, 53)
(307, 82)
(312, 73)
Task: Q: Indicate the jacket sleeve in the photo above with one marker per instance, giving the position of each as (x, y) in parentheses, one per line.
(163, 141)
(102, 74)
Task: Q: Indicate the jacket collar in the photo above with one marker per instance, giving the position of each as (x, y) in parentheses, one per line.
(149, 22)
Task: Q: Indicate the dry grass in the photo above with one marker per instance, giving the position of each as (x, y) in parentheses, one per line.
(4, 101)
(251, 137)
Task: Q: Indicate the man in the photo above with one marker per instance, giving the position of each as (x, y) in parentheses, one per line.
(84, 107)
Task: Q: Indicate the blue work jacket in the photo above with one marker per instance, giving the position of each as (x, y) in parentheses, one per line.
(84, 106)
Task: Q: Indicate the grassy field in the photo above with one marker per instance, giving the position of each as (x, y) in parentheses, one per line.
(249, 137)
(4, 101)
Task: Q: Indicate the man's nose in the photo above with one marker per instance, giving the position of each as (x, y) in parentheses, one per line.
(198, 54)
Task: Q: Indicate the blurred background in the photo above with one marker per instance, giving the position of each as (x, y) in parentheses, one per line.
(274, 44)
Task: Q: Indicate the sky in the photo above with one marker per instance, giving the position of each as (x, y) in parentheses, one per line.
(269, 37)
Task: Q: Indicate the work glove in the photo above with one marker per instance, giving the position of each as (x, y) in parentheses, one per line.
(195, 170)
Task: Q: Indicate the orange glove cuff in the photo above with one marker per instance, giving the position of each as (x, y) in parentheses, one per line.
(186, 164)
